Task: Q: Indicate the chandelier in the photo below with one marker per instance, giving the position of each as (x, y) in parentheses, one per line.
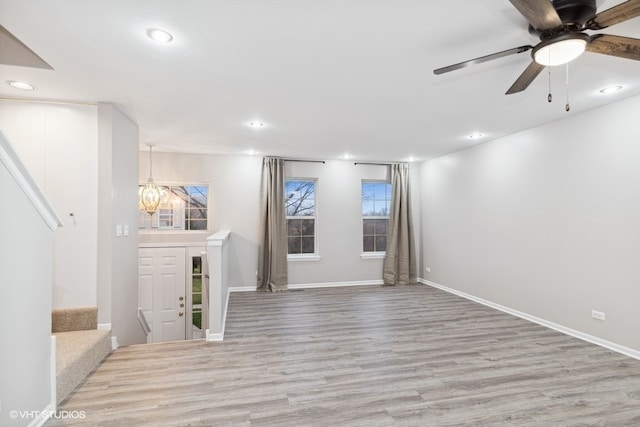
(150, 193)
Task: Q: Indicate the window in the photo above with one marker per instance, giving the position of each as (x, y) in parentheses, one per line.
(376, 204)
(300, 208)
(182, 207)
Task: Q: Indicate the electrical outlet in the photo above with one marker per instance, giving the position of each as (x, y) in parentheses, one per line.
(597, 315)
(427, 269)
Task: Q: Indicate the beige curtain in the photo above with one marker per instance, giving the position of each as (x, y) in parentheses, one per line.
(400, 259)
(272, 261)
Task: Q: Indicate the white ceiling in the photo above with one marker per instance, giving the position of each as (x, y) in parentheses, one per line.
(325, 76)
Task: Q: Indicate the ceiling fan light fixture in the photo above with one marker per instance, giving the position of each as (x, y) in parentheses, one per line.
(559, 52)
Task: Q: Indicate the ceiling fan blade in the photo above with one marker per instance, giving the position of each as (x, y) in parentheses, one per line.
(14, 52)
(540, 13)
(623, 47)
(482, 59)
(615, 15)
(525, 79)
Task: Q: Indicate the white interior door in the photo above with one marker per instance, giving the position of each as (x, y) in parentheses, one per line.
(161, 291)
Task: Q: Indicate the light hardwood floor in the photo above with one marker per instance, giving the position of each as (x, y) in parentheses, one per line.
(364, 356)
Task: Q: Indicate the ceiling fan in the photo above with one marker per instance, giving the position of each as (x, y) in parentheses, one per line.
(561, 26)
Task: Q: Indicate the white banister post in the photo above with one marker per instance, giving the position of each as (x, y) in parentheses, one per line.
(217, 254)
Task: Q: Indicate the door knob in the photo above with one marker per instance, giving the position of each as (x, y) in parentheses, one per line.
(181, 314)
(180, 299)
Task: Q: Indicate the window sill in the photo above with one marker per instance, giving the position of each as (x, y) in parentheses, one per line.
(298, 258)
(169, 231)
(372, 255)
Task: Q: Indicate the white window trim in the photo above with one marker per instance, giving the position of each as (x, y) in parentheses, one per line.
(373, 255)
(171, 231)
(315, 256)
(303, 257)
(174, 231)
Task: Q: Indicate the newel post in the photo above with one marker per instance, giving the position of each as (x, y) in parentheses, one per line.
(217, 256)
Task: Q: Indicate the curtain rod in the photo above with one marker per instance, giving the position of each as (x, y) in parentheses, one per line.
(370, 163)
(302, 160)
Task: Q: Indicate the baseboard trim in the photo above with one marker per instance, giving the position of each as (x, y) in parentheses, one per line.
(44, 416)
(243, 289)
(219, 336)
(53, 365)
(107, 327)
(313, 285)
(336, 284)
(635, 354)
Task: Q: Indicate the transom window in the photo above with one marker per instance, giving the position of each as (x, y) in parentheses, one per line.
(376, 205)
(182, 207)
(300, 209)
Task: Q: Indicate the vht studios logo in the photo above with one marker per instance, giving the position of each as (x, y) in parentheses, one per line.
(14, 414)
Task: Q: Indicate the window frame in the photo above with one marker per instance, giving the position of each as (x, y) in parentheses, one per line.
(155, 218)
(315, 256)
(373, 254)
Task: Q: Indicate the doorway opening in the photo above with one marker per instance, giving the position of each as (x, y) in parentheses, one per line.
(172, 292)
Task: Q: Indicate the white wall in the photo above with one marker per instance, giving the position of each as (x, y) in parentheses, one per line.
(234, 199)
(546, 222)
(58, 143)
(118, 267)
(80, 155)
(339, 223)
(25, 291)
(234, 189)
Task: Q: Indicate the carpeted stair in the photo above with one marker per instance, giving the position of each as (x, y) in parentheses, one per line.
(80, 346)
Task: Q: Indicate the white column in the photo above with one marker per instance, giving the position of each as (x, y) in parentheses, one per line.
(217, 250)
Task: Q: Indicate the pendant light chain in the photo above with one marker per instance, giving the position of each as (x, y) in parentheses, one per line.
(150, 161)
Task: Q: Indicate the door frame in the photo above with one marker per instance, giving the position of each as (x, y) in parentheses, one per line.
(191, 249)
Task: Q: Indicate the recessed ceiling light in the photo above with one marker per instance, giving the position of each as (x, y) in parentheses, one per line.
(410, 159)
(250, 152)
(346, 156)
(20, 85)
(610, 89)
(159, 35)
(476, 135)
(256, 124)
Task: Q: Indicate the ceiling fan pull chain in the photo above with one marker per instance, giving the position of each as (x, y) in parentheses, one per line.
(567, 106)
(549, 97)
